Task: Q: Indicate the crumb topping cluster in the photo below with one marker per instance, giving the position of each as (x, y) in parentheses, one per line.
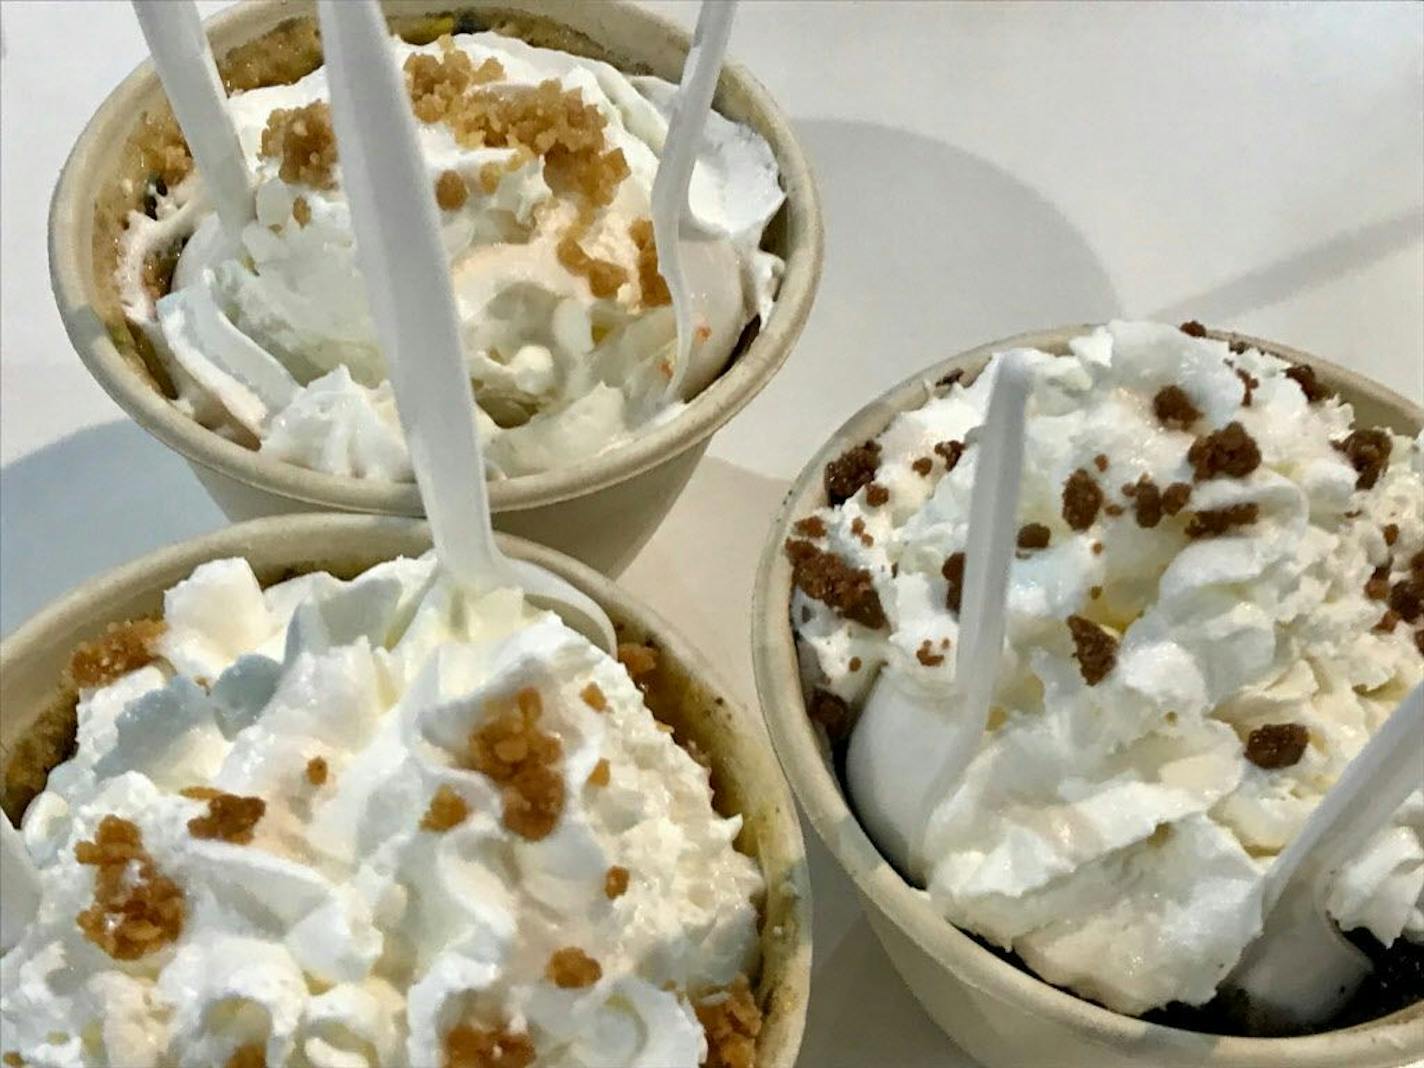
(826, 577)
(230, 817)
(525, 760)
(732, 1020)
(303, 140)
(447, 809)
(571, 968)
(121, 649)
(853, 469)
(317, 771)
(137, 910)
(1094, 647)
(1277, 745)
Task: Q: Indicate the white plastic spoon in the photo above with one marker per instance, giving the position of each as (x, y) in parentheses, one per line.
(701, 268)
(1301, 969)
(179, 46)
(911, 746)
(408, 286)
(19, 886)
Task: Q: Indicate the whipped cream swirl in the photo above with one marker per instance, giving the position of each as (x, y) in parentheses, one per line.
(346, 933)
(1115, 823)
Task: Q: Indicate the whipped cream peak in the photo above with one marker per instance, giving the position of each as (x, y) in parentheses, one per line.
(388, 809)
(1215, 599)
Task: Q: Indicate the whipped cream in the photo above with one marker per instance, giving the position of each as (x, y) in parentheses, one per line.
(272, 344)
(1114, 833)
(345, 934)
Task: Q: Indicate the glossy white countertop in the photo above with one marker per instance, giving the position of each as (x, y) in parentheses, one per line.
(985, 169)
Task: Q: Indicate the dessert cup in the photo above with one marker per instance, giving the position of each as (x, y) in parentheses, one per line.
(601, 509)
(1004, 1016)
(684, 694)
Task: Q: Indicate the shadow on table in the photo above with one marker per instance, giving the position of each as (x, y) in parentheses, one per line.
(86, 503)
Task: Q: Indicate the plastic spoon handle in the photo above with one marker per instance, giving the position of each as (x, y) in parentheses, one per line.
(19, 886)
(700, 72)
(993, 517)
(179, 46)
(408, 284)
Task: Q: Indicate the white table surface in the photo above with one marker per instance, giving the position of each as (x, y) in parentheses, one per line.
(986, 169)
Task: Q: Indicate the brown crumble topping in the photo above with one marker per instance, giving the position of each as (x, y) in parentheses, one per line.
(1034, 536)
(1387, 622)
(1277, 745)
(950, 451)
(639, 660)
(1100, 461)
(1390, 532)
(302, 138)
(122, 648)
(230, 817)
(436, 83)
(601, 774)
(447, 809)
(1094, 649)
(853, 469)
(511, 749)
(857, 527)
(317, 771)
(813, 526)
(451, 191)
(615, 882)
(1176, 497)
(1368, 452)
(252, 1055)
(732, 1024)
(831, 713)
(1303, 375)
(876, 495)
(1146, 502)
(1229, 451)
(926, 655)
(1377, 586)
(467, 1046)
(1407, 597)
(651, 284)
(1192, 328)
(571, 968)
(301, 211)
(953, 572)
(1082, 497)
(1174, 408)
(1249, 382)
(129, 918)
(854, 664)
(923, 466)
(1214, 522)
(1129, 489)
(604, 276)
(825, 577)
(594, 698)
(1097, 548)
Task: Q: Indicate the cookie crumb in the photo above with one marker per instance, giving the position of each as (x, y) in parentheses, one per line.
(1176, 497)
(639, 660)
(1390, 531)
(950, 452)
(1229, 451)
(317, 771)
(1146, 503)
(1277, 745)
(1407, 597)
(602, 774)
(1113, 510)
(731, 1020)
(132, 915)
(451, 191)
(615, 882)
(652, 287)
(1100, 461)
(1368, 451)
(121, 649)
(926, 655)
(1034, 536)
(857, 527)
(876, 495)
(1094, 649)
(230, 817)
(1303, 375)
(848, 473)
(813, 526)
(1082, 497)
(923, 466)
(301, 212)
(1377, 585)
(303, 140)
(953, 572)
(1387, 622)
(825, 577)
(1192, 328)
(1214, 522)
(1174, 409)
(447, 809)
(571, 968)
(524, 760)
(854, 664)
(1249, 382)
(594, 697)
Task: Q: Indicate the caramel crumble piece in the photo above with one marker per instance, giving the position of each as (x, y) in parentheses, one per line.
(923, 466)
(1390, 531)
(831, 713)
(1146, 502)
(467, 1046)
(601, 775)
(437, 83)
(524, 760)
(813, 526)
(1229, 451)
(615, 882)
(1174, 408)
(317, 771)
(1176, 497)
(1249, 382)
(1368, 452)
(876, 495)
(121, 649)
(130, 917)
(926, 655)
(1097, 548)
(252, 1055)
(1082, 497)
(1277, 745)
(605, 277)
(854, 664)
(651, 284)
(301, 211)
(950, 452)
(1407, 597)
(1192, 328)
(1377, 586)
(594, 698)
(731, 1020)
(953, 571)
(447, 809)
(1100, 461)
(1094, 649)
(451, 191)
(571, 968)
(1034, 536)
(1214, 522)
(640, 661)
(1303, 375)
(1387, 622)
(853, 469)
(825, 577)
(857, 527)
(303, 140)
(230, 818)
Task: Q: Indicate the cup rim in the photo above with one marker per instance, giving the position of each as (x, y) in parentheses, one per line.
(816, 787)
(71, 224)
(296, 538)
